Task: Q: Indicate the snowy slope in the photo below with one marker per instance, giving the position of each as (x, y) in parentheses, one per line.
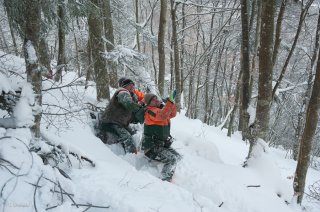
(210, 177)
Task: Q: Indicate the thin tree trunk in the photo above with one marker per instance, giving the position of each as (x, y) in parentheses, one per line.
(137, 22)
(13, 37)
(245, 68)
(4, 40)
(44, 57)
(278, 31)
(62, 41)
(303, 111)
(235, 107)
(307, 137)
(177, 73)
(161, 50)
(77, 51)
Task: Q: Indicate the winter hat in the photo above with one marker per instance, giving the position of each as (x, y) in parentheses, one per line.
(148, 97)
(121, 80)
(126, 82)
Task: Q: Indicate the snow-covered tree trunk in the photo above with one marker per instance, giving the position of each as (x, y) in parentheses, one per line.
(32, 31)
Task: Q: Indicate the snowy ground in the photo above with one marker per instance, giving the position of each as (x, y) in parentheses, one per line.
(210, 177)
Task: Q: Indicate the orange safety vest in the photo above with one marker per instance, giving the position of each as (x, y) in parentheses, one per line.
(140, 95)
(160, 117)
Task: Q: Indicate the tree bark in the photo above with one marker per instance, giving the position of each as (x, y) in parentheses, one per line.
(31, 45)
(137, 21)
(97, 49)
(278, 31)
(62, 40)
(108, 27)
(245, 68)
(307, 137)
(44, 57)
(265, 70)
(177, 73)
(161, 51)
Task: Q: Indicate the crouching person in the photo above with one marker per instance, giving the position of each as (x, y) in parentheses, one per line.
(117, 116)
(156, 139)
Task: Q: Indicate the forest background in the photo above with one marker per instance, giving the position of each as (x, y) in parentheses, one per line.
(249, 66)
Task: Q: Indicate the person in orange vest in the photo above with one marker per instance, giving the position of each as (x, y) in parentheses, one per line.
(156, 142)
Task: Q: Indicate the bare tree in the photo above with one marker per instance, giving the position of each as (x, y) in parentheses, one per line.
(62, 40)
(31, 45)
(307, 137)
(161, 51)
(245, 68)
(108, 28)
(261, 125)
(97, 49)
(177, 73)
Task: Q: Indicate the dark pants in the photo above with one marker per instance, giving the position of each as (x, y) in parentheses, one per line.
(113, 133)
(168, 156)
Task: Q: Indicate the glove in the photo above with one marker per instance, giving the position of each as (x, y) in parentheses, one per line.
(172, 96)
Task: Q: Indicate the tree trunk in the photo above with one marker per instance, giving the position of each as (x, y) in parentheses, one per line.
(302, 113)
(236, 105)
(13, 37)
(32, 31)
(161, 51)
(77, 51)
(261, 126)
(245, 68)
(44, 57)
(108, 27)
(4, 40)
(97, 49)
(307, 138)
(177, 73)
(137, 22)
(62, 40)
(278, 31)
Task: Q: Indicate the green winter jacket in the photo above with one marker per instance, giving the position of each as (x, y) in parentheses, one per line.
(122, 108)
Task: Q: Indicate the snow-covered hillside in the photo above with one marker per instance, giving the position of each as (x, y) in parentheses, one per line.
(210, 177)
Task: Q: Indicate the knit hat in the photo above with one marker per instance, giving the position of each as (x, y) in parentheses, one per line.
(148, 97)
(121, 80)
(126, 82)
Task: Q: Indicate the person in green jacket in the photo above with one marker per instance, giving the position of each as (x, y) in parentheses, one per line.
(122, 109)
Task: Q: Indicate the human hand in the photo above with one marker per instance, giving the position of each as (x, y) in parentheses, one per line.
(172, 96)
